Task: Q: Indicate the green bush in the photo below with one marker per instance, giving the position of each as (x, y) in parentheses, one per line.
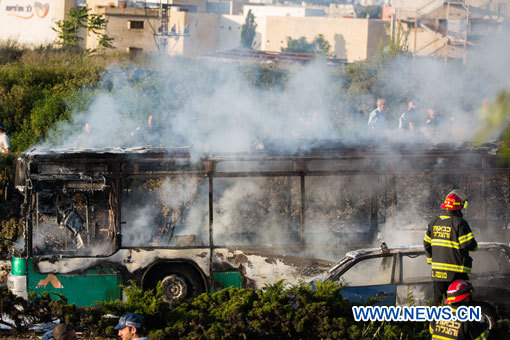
(275, 312)
(33, 96)
(10, 203)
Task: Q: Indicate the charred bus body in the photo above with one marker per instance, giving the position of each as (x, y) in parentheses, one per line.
(97, 218)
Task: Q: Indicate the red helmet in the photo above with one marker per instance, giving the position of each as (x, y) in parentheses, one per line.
(458, 291)
(455, 200)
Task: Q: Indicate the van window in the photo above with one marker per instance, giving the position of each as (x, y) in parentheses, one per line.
(370, 271)
(488, 261)
(415, 268)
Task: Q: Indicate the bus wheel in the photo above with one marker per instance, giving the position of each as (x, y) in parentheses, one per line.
(174, 288)
(179, 282)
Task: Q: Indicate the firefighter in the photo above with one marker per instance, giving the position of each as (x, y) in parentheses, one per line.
(459, 294)
(447, 242)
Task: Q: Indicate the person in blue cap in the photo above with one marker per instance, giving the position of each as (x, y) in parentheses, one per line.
(130, 327)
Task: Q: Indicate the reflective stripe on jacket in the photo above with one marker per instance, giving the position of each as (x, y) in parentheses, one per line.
(447, 242)
(455, 330)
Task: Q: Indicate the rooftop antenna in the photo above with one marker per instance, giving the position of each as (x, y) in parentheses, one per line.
(163, 33)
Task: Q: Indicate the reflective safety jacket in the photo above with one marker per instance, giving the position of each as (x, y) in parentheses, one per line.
(455, 330)
(447, 242)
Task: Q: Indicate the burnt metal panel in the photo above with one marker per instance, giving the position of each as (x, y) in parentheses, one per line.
(316, 162)
(20, 177)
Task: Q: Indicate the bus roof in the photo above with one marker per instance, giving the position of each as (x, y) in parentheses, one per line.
(310, 149)
(320, 159)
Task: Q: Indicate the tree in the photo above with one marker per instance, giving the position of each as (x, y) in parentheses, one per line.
(398, 43)
(496, 122)
(79, 18)
(318, 46)
(97, 25)
(68, 30)
(248, 31)
(369, 12)
(300, 45)
(321, 45)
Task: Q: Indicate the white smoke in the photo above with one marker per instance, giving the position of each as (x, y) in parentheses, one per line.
(161, 212)
(214, 108)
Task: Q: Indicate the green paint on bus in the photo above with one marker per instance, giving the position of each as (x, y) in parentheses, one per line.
(83, 290)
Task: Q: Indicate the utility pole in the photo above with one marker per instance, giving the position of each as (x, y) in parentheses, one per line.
(163, 33)
(464, 59)
(415, 32)
(162, 30)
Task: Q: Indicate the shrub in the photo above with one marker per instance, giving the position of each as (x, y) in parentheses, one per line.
(10, 202)
(10, 51)
(33, 97)
(275, 312)
(20, 314)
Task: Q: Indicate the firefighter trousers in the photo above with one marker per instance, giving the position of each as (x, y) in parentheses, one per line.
(441, 287)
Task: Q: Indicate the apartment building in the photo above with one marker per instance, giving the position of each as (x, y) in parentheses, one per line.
(448, 29)
(184, 28)
(195, 34)
(350, 39)
(31, 21)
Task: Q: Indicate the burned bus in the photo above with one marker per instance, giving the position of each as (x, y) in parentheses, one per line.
(96, 218)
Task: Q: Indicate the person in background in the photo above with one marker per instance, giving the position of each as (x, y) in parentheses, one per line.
(85, 138)
(5, 142)
(150, 124)
(86, 129)
(432, 119)
(409, 119)
(130, 327)
(430, 124)
(377, 118)
(447, 243)
(148, 134)
(459, 294)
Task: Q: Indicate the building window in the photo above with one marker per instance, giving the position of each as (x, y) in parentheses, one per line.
(135, 25)
(134, 50)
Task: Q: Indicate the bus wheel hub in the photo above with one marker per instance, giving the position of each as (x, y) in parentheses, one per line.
(174, 288)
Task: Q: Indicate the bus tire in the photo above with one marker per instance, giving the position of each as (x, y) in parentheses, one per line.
(178, 282)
